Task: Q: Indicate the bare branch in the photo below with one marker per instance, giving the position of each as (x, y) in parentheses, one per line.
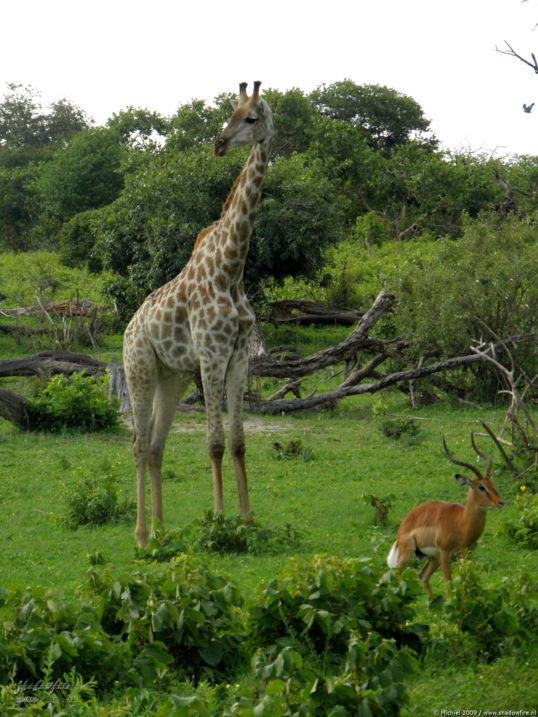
(513, 53)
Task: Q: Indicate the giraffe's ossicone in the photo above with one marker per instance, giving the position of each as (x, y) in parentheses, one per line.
(200, 321)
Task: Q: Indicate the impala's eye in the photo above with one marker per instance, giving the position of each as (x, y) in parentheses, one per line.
(482, 489)
(250, 120)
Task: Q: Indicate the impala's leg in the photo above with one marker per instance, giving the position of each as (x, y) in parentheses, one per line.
(445, 567)
(235, 382)
(167, 395)
(427, 571)
(213, 383)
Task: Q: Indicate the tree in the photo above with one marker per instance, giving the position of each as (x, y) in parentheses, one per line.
(138, 128)
(198, 124)
(83, 175)
(147, 234)
(25, 128)
(386, 117)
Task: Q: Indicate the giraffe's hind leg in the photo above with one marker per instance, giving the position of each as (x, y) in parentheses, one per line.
(235, 383)
(168, 392)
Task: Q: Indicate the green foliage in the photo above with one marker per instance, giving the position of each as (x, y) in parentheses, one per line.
(220, 534)
(524, 528)
(318, 605)
(74, 402)
(380, 505)
(178, 619)
(18, 207)
(491, 620)
(294, 448)
(83, 175)
(77, 240)
(94, 499)
(178, 616)
(45, 636)
(387, 117)
(25, 276)
(25, 127)
(404, 429)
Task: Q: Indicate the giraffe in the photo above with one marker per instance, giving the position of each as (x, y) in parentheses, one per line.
(200, 321)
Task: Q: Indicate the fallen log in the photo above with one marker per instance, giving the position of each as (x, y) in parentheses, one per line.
(12, 407)
(297, 311)
(52, 362)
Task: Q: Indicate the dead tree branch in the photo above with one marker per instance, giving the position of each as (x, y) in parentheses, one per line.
(513, 53)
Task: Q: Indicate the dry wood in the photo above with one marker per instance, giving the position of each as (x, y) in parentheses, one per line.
(356, 340)
(12, 406)
(51, 362)
(295, 311)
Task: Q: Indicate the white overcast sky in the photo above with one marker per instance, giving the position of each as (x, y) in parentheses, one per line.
(106, 55)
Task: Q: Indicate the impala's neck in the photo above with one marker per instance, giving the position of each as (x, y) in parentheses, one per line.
(239, 210)
(474, 518)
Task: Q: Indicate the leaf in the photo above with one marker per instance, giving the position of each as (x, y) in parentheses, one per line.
(212, 654)
(275, 687)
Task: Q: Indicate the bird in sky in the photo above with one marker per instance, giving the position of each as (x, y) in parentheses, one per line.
(528, 108)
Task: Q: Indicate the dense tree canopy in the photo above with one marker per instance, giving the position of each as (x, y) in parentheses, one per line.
(349, 162)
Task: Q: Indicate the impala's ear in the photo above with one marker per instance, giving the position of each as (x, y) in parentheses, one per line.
(463, 480)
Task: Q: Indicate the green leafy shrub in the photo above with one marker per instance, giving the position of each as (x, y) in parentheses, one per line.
(219, 534)
(294, 448)
(381, 507)
(94, 499)
(405, 429)
(43, 635)
(77, 401)
(491, 620)
(319, 604)
(178, 616)
(524, 528)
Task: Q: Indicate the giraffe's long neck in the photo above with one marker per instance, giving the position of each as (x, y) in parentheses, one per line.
(239, 211)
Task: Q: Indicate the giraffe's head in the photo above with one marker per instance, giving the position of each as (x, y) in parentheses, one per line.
(250, 122)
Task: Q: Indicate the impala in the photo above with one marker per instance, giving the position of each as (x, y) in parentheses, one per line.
(436, 530)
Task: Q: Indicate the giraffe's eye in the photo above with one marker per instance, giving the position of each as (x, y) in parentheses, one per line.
(250, 120)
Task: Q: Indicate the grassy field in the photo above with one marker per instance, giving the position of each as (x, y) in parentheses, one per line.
(318, 488)
(311, 476)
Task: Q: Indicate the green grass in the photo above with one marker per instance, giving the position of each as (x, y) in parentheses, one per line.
(318, 490)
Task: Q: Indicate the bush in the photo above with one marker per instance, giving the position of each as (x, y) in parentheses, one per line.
(43, 635)
(490, 620)
(406, 429)
(524, 528)
(77, 401)
(317, 605)
(178, 616)
(94, 500)
(219, 534)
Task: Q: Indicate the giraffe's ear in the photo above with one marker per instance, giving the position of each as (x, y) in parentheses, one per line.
(234, 104)
(263, 108)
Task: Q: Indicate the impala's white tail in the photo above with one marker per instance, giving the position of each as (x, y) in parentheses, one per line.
(392, 557)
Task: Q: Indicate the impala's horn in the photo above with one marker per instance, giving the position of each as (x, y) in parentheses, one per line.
(469, 466)
(482, 455)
